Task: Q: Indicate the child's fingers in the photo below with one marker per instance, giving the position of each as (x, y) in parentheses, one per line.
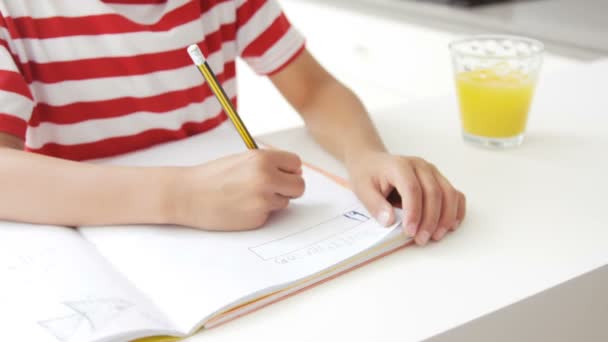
(449, 206)
(376, 204)
(287, 184)
(432, 204)
(462, 208)
(408, 186)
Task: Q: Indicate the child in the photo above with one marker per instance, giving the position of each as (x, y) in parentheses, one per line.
(96, 78)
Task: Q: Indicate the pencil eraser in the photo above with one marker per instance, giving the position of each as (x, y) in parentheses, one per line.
(196, 54)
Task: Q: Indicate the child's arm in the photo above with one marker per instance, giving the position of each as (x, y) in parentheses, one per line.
(41, 189)
(339, 122)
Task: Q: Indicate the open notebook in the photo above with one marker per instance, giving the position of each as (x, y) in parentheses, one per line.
(123, 283)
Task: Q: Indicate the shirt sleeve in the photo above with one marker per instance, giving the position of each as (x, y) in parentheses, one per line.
(266, 40)
(16, 101)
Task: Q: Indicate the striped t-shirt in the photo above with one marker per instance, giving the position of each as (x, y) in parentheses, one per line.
(95, 78)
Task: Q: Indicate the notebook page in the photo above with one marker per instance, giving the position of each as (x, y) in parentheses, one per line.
(190, 274)
(390, 243)
(55, 287)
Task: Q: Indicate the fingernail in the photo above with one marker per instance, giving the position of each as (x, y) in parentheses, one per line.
(411, 229)
(423, 238)
(457, 224)
(440, 233)
(383, 217)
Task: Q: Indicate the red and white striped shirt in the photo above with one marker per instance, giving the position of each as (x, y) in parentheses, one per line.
(95, 78)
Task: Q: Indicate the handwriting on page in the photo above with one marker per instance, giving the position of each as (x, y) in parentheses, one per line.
(334, 233)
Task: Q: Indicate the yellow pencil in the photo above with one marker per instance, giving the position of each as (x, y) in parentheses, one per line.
(201, 63)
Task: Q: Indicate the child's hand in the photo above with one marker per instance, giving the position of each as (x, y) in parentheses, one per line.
(237, 192)
(432, 206)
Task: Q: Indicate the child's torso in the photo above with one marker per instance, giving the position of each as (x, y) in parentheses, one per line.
(108, 78)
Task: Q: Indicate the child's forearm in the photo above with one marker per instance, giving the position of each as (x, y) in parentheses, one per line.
(334, 115)
(339, 122)
(40, 189)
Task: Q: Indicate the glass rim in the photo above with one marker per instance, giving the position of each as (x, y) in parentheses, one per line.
(541, 47)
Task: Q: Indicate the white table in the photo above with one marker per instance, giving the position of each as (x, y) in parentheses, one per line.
(536, 219)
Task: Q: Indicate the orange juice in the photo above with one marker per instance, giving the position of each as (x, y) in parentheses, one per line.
(492, 104)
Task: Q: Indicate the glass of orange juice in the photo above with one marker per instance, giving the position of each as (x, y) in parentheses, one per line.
(495, 79)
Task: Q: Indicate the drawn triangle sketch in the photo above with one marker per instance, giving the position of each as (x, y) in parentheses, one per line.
(101, 311)
(63, 328)
(90, 315)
